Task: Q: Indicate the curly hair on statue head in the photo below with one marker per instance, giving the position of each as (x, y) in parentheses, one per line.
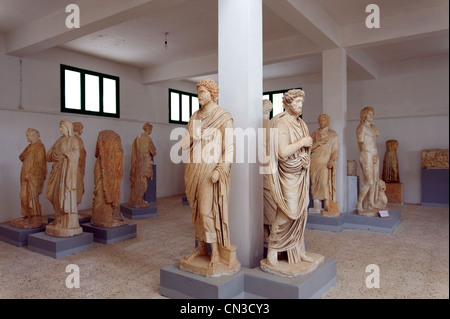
(211, 86)
(363, 113)
(291, 95)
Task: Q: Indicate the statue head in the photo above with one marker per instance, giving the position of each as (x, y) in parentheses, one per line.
(78, 127)
(211, 86)
(324, 120)
(364, 112)
(292, 95)
(32, 135)
(66, 128)
(147, 128)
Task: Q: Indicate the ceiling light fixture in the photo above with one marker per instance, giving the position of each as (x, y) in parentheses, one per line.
(166, 45)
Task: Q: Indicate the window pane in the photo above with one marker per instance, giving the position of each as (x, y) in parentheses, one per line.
(266, 97)
(109, 96)
(92, 92)
(195, 105)
(72, 90)
(277, 103)
(174, 106)
(185, 99)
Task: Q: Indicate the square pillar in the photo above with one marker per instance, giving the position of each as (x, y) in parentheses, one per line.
(240, 92)
(334, 79)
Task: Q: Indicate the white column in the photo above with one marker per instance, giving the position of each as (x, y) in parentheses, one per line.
(240, 85)
(334, 79)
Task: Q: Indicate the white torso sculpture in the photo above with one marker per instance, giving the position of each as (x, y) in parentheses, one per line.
(324, 156)
(289, 186)
(371, 197)
(209, 139)
(32, 177)
(62, 183)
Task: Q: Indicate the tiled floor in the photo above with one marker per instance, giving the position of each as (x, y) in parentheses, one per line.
(413, 261)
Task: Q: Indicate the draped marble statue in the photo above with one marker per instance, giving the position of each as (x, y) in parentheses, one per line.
(78, 130)
(372, 197)
(142, 153)
(289, 187)
(62, 183)
(108, 172)
(324, 156)
(32, 177)
(390, 163)
(270, 207)
(210, 146)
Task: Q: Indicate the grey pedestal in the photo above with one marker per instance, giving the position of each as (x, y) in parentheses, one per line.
(110, 235)
(138, 213)
(18, 236)
(435, 187)
(57, 247)
(355, 221)
(247, 284)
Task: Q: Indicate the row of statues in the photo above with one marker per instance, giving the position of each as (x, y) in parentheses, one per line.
(65, 187)
(301, 163)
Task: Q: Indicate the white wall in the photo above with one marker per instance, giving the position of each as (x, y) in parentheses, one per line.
(41, 103)
(411, 103)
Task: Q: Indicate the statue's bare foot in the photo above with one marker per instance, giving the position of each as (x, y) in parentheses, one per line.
(199, 251)
(359, 208)
(272, 257)
(306, 258)
(215, 260)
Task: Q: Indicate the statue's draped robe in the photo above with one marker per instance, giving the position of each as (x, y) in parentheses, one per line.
(32, 177)
(324, 150)
(62, 184)
(289, 186)
(214, 150)
(108, 172)
(142, 152)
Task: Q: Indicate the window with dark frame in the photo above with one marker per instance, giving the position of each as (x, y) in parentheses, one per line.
(181, 106)
(89, 92)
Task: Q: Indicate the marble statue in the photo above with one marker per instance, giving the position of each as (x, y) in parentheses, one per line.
(289, 187)
(62, 183)
(324, 156)
(371, 196)
(142, 153)
(390, 163)
(210, 144)
(78, 130)
(108, 172)
(270, 208)
(32, 177)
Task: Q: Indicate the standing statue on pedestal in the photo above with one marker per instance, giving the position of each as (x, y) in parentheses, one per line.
(371, 196)
(209, 139)
(142, 153)
(32, 177)
(270, 208)
(390, 163)
(78, 130)
(62, 184)
(289, 186)
(108, 171)
(324, 156)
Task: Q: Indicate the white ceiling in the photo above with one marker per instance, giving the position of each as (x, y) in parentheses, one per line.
(293, 38)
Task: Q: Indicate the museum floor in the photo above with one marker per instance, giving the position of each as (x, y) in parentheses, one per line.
(413, 260)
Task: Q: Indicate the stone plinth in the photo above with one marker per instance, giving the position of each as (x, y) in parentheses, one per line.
(57, 247)
(18, 236)
(140, 212)
(110, 235)
(394, 193)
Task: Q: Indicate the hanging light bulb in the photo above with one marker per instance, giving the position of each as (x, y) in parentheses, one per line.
(166, 45)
